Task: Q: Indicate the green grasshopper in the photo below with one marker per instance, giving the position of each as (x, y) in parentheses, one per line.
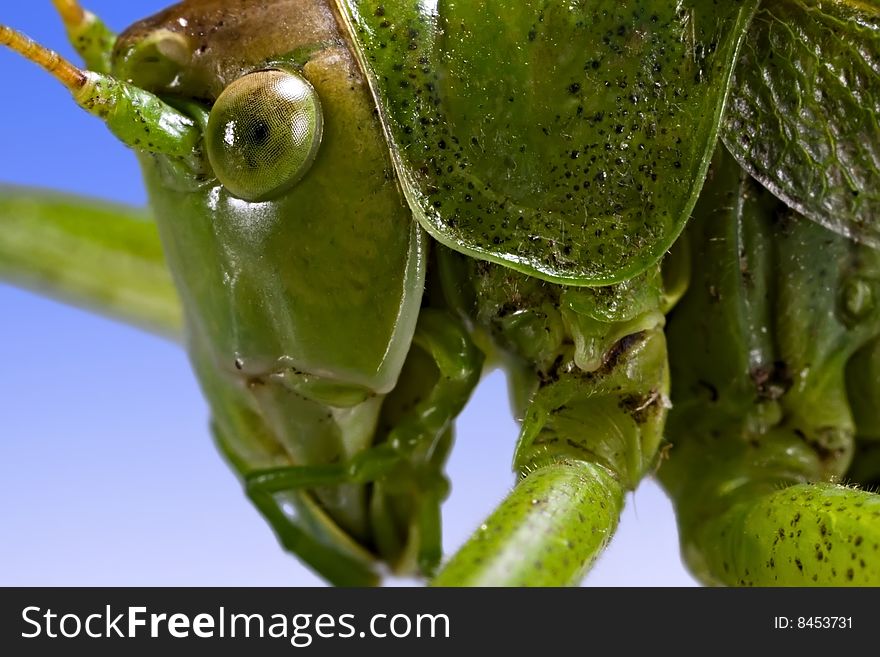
(364, 204)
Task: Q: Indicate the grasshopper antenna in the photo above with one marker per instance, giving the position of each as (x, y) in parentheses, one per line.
(69, 75)
(137, 117)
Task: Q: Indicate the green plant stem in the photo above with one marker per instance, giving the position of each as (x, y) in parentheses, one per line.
(105, 257)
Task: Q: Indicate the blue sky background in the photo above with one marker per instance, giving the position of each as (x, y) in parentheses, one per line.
(108, 475)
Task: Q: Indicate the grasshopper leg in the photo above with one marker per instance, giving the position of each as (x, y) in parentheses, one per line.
(366, 467)
(403, 468)
(547, 532)
(589, 379)
(586, 439)
(767, 413)
(438, 379)
(817, 534)
(843, 522)
(304, 529)
(757, 513)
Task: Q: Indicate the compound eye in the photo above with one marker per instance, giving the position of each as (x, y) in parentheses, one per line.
(263, 133)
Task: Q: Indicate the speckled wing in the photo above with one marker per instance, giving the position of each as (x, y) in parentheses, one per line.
(804, 110)
(568, 140)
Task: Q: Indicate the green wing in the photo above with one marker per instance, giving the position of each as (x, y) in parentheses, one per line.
(101, 256)
(568, 140)
(804, 107)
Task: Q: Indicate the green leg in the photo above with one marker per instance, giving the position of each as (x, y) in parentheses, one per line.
(547, 532)
(804, 535)
(762, 422)
(88, 34)
(755, 512)
(105, 257)
(303, 529)
(404, 469)
(586, 439)
(301, 524)
(589, 379)
(366, 467)
(458, 363)
(443, 369)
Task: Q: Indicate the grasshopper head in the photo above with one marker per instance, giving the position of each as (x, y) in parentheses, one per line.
(197, 48)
